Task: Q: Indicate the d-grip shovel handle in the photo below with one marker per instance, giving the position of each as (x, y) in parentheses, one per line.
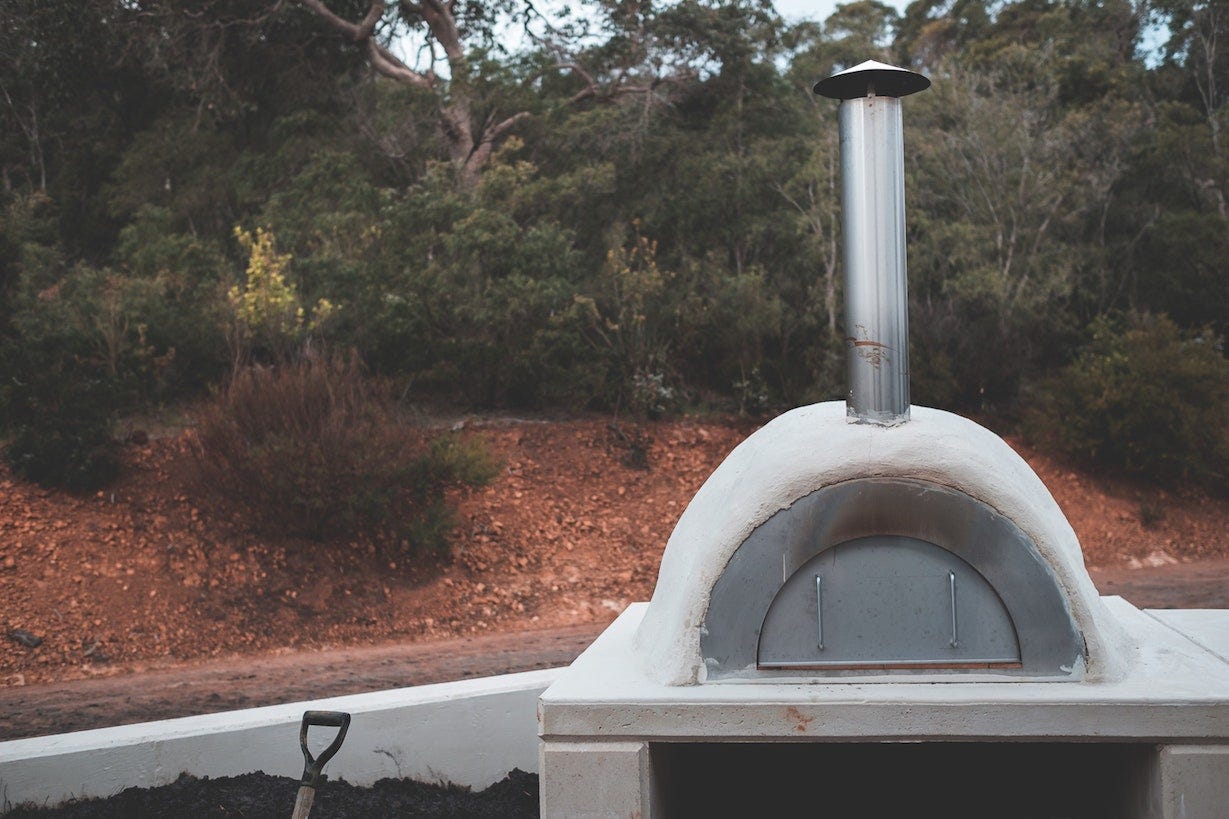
(312, 766)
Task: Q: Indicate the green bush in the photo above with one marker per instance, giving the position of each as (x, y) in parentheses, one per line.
(173, 293)
(58, 416)
(313, 447)
(57, 397)
(1143, 398)
(59, 431)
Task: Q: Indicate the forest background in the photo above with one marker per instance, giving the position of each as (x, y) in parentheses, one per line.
(620, 205)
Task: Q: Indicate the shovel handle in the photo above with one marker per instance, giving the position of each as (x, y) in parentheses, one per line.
(314, 766)
(303, 802)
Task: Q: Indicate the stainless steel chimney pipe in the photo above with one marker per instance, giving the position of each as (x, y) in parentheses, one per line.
(873, 207)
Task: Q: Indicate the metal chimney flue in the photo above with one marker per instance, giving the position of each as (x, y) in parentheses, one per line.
(873, 206)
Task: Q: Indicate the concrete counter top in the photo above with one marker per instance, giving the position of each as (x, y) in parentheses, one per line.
(1177, 689)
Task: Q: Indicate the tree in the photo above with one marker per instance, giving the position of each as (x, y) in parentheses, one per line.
(1009, 184)
(70, 96)
(932, 30)
(815, 194)
(1175, 232)
(634, 60)
(1142, 397)
(1199, 41)
(469, 132)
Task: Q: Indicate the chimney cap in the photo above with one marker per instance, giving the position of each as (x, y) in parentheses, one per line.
(872, 77)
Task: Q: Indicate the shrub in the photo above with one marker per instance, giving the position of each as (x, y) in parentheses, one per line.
(312, 446)
(1143, 398)
(176, 298)
(269, 316)
(628, 322)
(58, 417)
(58, 395)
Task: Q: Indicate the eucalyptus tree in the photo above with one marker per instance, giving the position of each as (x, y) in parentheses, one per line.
(470, 129)
(1199, 42)
(478, 83)
(1179, 226)
(70, 95)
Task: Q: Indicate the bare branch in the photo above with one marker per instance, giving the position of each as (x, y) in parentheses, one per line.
(618, 86)
(496, 131)
(364, 33)
(356, 32)
(439, 18)
(386, 63)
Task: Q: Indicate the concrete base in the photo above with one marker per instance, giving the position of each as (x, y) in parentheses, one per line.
(1191, 782)
(1153, 743)
(597, 779)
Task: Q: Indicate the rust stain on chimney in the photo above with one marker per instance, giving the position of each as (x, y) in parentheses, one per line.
(873, 352)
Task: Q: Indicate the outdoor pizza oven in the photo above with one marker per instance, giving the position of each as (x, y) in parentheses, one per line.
(866, 592)
(871, 540)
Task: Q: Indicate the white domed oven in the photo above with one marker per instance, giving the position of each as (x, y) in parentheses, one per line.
(877, 609)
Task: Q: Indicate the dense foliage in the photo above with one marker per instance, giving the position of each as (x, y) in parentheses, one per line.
(1142, 398)
(637, 207)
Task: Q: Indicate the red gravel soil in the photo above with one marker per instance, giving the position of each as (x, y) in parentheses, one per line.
(158, 575)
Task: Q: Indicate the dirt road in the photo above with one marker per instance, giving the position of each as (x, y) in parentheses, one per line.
(222, 685)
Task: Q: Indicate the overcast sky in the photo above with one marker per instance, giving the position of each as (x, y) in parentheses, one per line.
(818, 9)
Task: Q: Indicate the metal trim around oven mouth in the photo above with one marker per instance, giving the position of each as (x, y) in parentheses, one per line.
(1049, 643)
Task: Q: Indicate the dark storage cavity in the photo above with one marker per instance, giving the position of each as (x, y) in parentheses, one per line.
(977, 779)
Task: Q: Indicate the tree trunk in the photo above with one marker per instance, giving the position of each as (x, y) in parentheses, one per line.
(469, 144)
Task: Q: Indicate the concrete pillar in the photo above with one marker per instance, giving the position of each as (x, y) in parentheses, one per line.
(610, 780)
(1194, 781)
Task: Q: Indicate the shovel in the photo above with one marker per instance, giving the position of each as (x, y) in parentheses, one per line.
(312, 767)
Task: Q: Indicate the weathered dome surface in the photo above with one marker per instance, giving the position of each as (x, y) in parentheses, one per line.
(816, 446)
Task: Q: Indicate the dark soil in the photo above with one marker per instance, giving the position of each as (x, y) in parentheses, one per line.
(260, 795)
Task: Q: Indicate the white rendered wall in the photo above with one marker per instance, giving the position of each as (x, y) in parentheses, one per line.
(470, 733)
(812, 447)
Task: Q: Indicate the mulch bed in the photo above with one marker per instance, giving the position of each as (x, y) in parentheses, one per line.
(260, 795)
